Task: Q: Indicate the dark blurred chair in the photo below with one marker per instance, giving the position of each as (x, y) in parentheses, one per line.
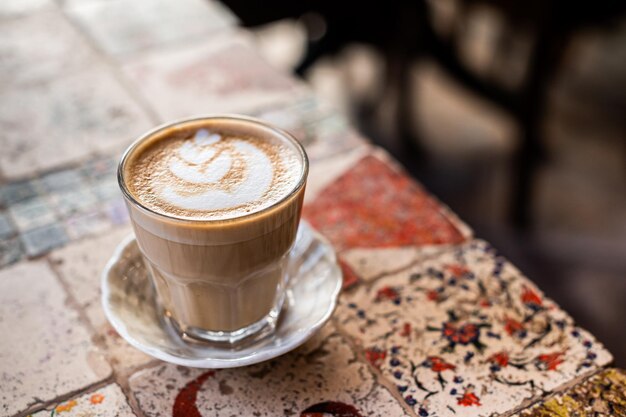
(404, 31)
(550, 24)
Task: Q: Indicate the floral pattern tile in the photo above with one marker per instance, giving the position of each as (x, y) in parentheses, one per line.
(49, 353)
(220, 75)
(464, 332)
(369, 264)
(108, 401)
(326, 380)
(602, 395)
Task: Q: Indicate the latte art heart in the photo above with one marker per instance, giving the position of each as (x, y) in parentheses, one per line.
(219, 175)
(210, 175)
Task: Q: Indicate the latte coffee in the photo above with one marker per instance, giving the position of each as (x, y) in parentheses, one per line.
(215, 205)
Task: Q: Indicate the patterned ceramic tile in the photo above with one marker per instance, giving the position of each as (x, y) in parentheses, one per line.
(108, 401)
(101, 168)
(465, 332)
(116, 212)
(63, 121)
(369, 264)
(39, 48)
(221, 75)
(322, 129)
(324, 172)
(48, 211)
(32, 213)
(38, 241)
(10, 251)
(72, 200)
(122, 27)
(603, 395)
(16, 191)
(106, 188)
(328, 380)
(64, 180)
(14, 8)
(86, 224)
(375, 205)
(6, 226)
(45, 352)
(80, 266)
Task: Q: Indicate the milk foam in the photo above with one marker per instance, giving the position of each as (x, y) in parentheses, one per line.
(212, 176)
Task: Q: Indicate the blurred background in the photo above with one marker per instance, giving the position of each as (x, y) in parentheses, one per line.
(512, 113)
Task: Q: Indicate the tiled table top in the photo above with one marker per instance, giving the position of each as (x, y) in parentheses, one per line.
(431, 322)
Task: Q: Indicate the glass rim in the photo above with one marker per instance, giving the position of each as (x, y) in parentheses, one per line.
(231, 117)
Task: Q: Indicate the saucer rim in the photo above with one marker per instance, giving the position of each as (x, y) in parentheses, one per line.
(294, 340)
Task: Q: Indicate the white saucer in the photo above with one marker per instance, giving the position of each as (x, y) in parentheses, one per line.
(129, 302)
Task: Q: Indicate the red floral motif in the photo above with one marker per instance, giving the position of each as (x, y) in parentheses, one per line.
(387, 293)
(439, 365)
(406, 330)
(457, 270)
(96, 398)
(501, 359)
(185, 402)
(465, 334)
(65, 407)
(375, 356)
(530, 297)
(512, 326)
(433, 295)
(549, 361)
(485, 303)
(376, 206)
(469, 399)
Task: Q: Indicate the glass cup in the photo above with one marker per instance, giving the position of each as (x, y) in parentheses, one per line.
(220, 281)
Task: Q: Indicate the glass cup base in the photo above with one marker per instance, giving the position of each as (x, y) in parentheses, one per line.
(229, 339)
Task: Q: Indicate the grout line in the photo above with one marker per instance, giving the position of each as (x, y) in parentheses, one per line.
(72, 394)
(123, 380)
(560, 390)
(70, 301)
(418, 258)
(115, 68)
(379, 377)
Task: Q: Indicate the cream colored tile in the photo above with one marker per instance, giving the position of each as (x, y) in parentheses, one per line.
(45, 351)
